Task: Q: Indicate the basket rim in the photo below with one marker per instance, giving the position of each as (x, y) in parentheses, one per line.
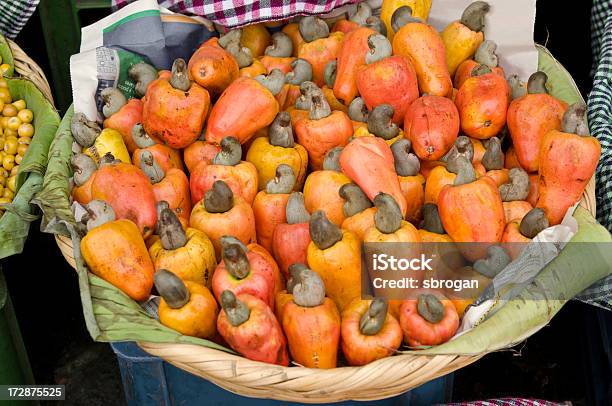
(253, 378)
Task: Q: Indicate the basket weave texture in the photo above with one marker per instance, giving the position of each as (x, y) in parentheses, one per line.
(381, 379)
(28, 69)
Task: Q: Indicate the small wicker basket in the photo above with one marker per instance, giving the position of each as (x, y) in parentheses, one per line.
(28, 69)
(384, 378)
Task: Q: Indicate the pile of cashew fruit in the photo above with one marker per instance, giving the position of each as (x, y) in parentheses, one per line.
(240, 185)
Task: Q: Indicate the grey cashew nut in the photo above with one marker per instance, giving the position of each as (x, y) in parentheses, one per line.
(329, 74)
(497, 259)
(431, 219)
(331, 161)
(83, 130)
(573, 120)
(295, 211)
(493, 157)
(283, 181)
(518, 87)
(140, 137)
(319, 107)
(517, 188)
(171, 288)
(113, 100)
(150, 167)
(312, 28)
(302, 71)
(465, 171)
(242, 55)
(388, 218)
(304, 101)
(98, 212)
(536, 84)
(309, 291)
(171, 233)
(180, 76)
(403, 16)
(380, 48)
(356, 200)
(373, 320)
(480, 70)
(474, 14)
(376, 24)
(281, 132)
(229, 37)
(324, 233)
(143, 74)
(406, 163)
(380, 124)
(533, 222)
(230, 154)
(462, 146)
(231, 43)
(219, 198)
(274, 81)
(357, 110)
(361, 15)
(485, 54)
(295, 275)
(159, 207)
(282, 46)
(83, 167)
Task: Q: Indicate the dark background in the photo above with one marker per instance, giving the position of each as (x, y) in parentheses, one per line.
(554, 364)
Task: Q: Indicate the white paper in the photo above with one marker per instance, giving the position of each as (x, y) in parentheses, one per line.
(509, 23)
(510, 281)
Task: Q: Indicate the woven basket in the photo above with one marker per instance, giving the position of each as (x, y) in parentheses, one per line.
(28, 69)
(384, 378)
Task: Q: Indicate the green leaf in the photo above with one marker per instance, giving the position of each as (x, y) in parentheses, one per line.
(15, 222)
(54, 198)
(46, 121)
(7, 56)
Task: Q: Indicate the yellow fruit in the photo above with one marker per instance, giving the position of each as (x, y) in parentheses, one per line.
(4, 68)
(25, 115)
(24, 140)
(25, 130)
(9, 110)
(13, 123)
(21, 148)
(20, 104)
(3, 82)
(18, 159)
(5, 95)
(14, 170)
(10, 146)
(10, 183)
(7, 193)
(3, 120)
(8, 162)
(10, 133)
(5, 200)
(1, 190)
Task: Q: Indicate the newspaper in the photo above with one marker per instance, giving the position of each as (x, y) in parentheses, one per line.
(142, 31)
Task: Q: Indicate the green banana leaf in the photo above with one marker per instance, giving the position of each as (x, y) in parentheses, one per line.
(111, 315)
(15, 223)
(7, 56)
